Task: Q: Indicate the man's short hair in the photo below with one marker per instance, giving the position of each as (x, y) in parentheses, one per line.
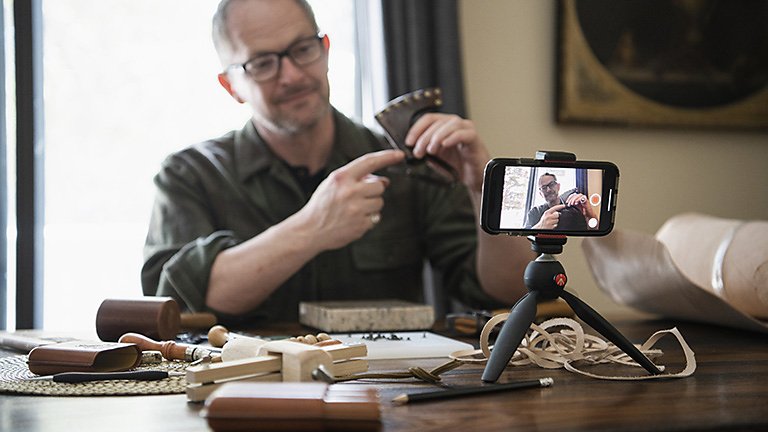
(220, 31)
(548, 174)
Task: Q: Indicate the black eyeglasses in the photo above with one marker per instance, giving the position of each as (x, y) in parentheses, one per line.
(266, 66)
(551, 186)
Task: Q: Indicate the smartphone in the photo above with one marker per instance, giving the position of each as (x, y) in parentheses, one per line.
(532, 196)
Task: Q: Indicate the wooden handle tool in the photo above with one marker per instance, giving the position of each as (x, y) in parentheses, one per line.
(169, 349)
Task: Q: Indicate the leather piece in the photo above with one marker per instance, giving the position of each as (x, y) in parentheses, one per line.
(399, 114)
(397, 117)
(729, 250)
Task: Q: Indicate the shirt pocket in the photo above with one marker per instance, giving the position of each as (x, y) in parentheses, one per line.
(384, 254)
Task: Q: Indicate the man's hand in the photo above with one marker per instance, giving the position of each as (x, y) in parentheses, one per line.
(453, 139)
(576, 200)
(347, 203)
(550, 218)
(581, 202)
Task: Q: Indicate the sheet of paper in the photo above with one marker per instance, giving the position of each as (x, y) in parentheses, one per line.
(400, 345)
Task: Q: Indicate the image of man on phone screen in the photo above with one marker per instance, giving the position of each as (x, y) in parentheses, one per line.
(568, 211)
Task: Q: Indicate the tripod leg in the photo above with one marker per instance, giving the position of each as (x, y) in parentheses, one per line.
(512, 332)
(597, 322)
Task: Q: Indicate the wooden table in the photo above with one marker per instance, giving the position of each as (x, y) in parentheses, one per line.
(729, 390)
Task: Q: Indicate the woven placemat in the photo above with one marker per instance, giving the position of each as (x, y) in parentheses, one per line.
(14, 374)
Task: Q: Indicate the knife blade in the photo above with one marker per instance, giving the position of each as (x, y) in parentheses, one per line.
(80, 377)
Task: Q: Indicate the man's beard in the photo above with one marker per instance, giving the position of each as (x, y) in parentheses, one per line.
(552, 199)
(289, 124)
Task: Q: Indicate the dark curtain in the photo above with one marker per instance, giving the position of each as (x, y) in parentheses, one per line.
(581, 180)
(422, 49)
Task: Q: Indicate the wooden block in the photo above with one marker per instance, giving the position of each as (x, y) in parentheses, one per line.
(276, 361)
(298, 360)
(208, 373)
(371, 315)
(352, 403)
(292, 407)
(349, 367)
(343, 351)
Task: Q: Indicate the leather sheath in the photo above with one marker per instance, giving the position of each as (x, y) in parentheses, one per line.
(81, 356)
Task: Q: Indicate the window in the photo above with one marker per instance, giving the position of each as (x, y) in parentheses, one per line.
(127, 82)
(5, 174)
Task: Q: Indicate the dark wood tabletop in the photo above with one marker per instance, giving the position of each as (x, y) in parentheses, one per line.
(728, 391)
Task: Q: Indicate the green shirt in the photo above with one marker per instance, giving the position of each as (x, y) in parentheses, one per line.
(216, 194)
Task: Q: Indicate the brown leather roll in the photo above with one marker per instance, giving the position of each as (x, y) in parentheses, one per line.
(696, 268)
(154, 317)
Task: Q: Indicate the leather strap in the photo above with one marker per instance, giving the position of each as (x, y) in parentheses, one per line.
(562, 349)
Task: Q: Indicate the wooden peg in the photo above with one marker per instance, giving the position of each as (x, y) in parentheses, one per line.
(218, 335)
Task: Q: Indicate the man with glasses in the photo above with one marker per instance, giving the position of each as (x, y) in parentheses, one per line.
(302, 204)
(565, 212)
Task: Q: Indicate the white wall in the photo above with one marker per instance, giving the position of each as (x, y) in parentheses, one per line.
(509, 64)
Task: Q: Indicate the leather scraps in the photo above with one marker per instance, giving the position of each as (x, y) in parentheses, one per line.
(570, 347)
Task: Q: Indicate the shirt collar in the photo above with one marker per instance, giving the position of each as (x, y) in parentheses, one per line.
(253, 155)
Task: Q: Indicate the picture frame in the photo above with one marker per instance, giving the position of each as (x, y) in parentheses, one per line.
(660, 63)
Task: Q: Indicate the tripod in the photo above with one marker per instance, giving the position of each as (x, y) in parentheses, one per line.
(545, 279)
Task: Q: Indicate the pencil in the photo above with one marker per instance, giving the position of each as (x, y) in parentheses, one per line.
(466, 391)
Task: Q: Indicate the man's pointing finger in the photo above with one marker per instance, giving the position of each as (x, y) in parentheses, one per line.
(372, 162)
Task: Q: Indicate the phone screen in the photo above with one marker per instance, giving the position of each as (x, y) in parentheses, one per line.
(527, 197)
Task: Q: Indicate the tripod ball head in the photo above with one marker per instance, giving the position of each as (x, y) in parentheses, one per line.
(545, 275)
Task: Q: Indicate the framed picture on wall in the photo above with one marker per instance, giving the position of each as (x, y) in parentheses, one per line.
(694, 63)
